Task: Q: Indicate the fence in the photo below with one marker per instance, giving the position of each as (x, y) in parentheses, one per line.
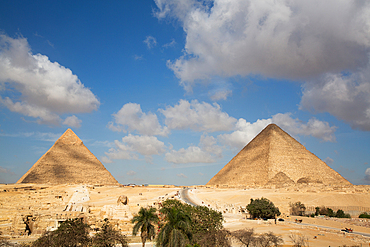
(352, 210)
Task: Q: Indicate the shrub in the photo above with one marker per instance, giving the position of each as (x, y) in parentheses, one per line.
(72, 232)
(206, 227)
(364, 215)
(299, 240)
(262, 208)
(247, 237)
(297, 209)
(109, 237)
(340, 214)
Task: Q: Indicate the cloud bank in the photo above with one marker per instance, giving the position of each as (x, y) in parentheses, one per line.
(198, 117)
(43, 89)
(325, 44)
(289, 39)
(131, 118)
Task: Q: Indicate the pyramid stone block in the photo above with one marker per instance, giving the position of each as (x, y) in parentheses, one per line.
(274, 157)
(68, 161)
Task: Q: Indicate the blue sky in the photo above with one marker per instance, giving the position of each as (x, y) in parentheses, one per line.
(167, 92)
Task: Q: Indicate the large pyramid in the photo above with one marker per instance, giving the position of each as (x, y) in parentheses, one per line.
(68, 161)
(273, 157)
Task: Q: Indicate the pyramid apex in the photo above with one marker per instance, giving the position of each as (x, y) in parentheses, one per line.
(272, 126)
(69, 137)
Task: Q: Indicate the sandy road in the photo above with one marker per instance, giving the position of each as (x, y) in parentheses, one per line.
(184, 193)
(332, 228)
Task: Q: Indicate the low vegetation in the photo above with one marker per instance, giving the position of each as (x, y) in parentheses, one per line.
(190, 225)
(297, 209)
(364, 215)
(330, 213)
(299, 240)
(74, 232)
(247, 237)
(262, 208)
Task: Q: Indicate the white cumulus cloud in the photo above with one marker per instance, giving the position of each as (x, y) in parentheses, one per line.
(324, 42)
(197, 116)
(245, 131)
(73, 121)
(346, 97)
(46, 89)
(131, 118)
(220, 94)
(207, 152)
(314, 127)
(289, 39)
(133, 145)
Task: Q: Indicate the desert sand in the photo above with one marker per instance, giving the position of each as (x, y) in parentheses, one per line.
(45, 205)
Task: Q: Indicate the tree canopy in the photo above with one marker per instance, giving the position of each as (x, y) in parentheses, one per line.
(205, 228)
(262, 208)
(144, 222)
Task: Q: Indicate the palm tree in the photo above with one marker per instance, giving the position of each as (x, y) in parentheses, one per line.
(143, 222)
(176, 232)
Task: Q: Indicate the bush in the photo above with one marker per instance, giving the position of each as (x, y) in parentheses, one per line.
(340, 214)
(299, 240)
(364, 215)
(330, 213)
(262, 208)
(297, 209)
(247, 237)
(72, 232)
(109, 237)
(205, 224)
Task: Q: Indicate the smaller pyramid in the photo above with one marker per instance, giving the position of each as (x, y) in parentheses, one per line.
(273, 157)
(68, 161)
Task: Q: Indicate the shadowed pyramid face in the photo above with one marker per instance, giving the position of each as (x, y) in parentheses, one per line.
(68, 161)
(273, 157)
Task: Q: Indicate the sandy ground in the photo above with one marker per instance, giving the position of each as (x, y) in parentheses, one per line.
(228, 201)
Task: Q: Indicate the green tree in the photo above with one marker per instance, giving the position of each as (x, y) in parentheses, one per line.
(297, 209)
(330, 212)
(206, 224)
(364, 215)
(262, 208)
(109, 237)
(176, 232)
(317, 211)
(340, 214)
(144, 222)
(70, 233)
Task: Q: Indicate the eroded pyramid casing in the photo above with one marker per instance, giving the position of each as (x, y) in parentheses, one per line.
(68, 161)
(273, 157)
